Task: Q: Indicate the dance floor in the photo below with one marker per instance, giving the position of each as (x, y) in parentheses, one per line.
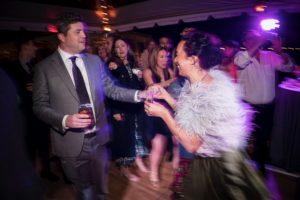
(282, 185)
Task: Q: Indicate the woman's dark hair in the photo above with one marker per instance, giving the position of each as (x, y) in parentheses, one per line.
(64, 21)
(201, 45)
(231, 43)
(130, 56)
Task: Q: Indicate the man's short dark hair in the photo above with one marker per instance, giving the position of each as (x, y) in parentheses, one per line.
(64, 21)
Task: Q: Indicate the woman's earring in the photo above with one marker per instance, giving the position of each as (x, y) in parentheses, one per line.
(194, 60)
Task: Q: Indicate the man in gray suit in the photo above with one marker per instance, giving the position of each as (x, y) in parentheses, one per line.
(78, 139)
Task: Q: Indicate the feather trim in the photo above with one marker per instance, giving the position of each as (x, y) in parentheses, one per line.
(215, 113)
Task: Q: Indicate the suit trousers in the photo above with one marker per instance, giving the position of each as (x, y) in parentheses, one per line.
(263, 122)
(88, 171)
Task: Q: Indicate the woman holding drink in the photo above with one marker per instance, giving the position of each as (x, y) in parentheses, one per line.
(211, 122)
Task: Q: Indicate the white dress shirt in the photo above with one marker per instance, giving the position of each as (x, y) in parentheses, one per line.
(257, 78)
(79, 62)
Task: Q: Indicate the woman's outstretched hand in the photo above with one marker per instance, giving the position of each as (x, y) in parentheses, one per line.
(158, 92)
(155, 109)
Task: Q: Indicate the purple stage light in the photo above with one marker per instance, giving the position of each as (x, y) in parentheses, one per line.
(269, 24)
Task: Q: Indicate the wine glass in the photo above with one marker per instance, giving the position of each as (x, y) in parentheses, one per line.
(150, 95)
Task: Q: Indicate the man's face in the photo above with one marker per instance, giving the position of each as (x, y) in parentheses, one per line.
(151, 45)
(251, 39)
(163, 42)
(75, 39)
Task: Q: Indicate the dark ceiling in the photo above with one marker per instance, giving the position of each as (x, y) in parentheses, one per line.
(234, 25)
(84, 4)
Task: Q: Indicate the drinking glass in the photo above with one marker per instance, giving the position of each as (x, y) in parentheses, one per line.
(150, 95)
(87, 109)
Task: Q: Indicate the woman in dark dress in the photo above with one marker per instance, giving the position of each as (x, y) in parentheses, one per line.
(158, 73)
(127, 118)
(212, 123)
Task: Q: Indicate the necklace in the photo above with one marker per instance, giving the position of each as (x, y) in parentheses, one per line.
(201, 80)
(194, 79)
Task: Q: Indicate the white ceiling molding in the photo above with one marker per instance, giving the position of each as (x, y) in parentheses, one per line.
(146, 14)
(175, 20)
(166, 12)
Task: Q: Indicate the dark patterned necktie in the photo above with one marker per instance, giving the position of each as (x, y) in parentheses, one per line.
(79, 83)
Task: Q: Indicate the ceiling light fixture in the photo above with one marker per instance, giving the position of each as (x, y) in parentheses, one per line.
(260, 6)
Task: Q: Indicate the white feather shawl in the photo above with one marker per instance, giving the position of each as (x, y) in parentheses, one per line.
(214, 113)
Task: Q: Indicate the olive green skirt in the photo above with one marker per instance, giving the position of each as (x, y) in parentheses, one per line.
(227, 177)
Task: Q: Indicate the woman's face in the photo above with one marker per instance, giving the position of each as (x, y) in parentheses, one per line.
(162, 59)
(102, 52)
(181, 59)
(121, 48)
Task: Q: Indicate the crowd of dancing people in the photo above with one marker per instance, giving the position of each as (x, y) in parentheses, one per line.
(199, 102)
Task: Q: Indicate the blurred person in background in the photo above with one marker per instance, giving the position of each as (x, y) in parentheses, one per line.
(159, 73)
(227, 65)
(21, 71)
(256, 75)
(109, 43)
(166, 42)
(103, 53)
(145, 54)
(187, 31)
(277, 46)
(128, 144)
(19, 179)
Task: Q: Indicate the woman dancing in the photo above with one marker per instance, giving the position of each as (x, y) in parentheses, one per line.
(211, 122)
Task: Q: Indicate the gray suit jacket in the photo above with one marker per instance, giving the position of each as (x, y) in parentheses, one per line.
(54, 96)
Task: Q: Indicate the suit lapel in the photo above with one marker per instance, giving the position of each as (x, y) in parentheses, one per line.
(62, 71)
(91, 76)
